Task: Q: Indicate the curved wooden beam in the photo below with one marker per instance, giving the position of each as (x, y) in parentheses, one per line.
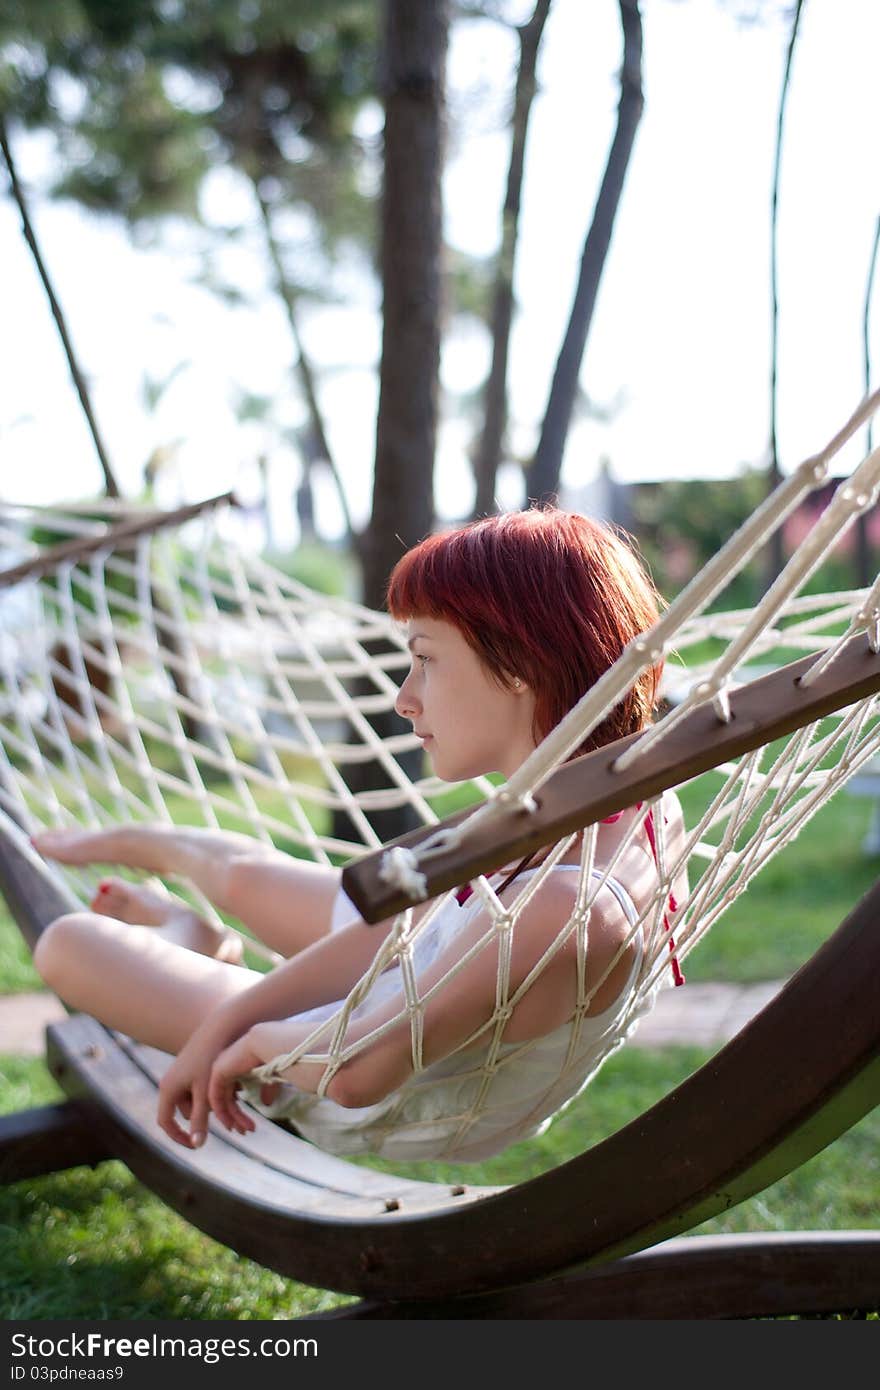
(748, 1275)
(34, 893)
(798, 1075)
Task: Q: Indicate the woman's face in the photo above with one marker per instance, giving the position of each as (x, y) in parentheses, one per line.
(468, 723)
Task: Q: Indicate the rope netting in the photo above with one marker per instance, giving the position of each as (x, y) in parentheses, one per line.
(184, 680)
(177, 678)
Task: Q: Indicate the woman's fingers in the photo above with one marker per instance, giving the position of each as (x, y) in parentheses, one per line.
(168, 1105)
(191, 1103)
(198, 1117)
(222, 1088)
(222, 1096)
(193, 1100)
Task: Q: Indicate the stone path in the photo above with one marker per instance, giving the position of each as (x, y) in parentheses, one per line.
(705, 1015)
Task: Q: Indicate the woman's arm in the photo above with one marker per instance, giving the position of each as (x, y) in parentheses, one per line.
(320, 974)
(462, 1002)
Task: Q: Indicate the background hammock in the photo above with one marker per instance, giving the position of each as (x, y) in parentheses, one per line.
(149, 669)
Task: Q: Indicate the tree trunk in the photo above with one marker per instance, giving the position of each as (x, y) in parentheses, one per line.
(775, 552)
(111, 487)
(864, 555)
(411, 266)
(319, 446)
(543, 477)
(413, 84)
(488, 454)
(305, 499)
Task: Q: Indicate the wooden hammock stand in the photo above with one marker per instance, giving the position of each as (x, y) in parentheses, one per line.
(600, 1236)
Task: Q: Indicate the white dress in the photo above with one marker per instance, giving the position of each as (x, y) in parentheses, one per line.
(435, 1114)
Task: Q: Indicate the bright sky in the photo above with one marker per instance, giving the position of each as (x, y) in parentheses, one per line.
(681, 335)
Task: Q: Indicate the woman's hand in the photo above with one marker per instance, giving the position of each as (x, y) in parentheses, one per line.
(233, 1063)
(259, 1045)
(184, 1088)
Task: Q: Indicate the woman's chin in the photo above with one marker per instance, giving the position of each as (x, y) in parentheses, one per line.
(455, 774)
(441, 771)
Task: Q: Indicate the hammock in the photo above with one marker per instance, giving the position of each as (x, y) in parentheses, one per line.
(151, 669)
(156, 671)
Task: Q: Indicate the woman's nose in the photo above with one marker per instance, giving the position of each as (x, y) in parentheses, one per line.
(406, 703)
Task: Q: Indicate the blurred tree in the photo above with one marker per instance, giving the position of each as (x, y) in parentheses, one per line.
(411, 246)
(494, 396)
(865, 564)
(111, 486)
(775, 558)
(411, 252)
(146, 98)
(542, 478)
(681, 523)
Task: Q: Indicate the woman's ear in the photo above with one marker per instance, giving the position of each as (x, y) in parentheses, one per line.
(512, 682)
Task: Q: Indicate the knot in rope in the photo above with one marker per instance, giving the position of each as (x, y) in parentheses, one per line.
(329, 1073)
(399, 867)
(861, 500)
(721, 705)
(816, 469)
(525, 801)
(644, 648)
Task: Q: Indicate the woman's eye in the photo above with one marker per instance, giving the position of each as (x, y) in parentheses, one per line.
(421, 658)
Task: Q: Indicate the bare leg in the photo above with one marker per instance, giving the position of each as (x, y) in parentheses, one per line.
(285, 902)
(134, 978)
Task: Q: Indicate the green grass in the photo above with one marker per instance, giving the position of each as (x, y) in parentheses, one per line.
(797, 899)
(17, 972)
(93, 1243)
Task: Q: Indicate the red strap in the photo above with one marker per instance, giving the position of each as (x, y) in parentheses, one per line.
(672, 906)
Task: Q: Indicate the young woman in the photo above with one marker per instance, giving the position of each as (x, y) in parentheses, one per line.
(510, 620)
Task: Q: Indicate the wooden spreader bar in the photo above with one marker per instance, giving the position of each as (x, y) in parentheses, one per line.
(588, 789)
(114, 537)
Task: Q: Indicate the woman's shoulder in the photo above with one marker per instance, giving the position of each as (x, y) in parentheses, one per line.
(549, 908)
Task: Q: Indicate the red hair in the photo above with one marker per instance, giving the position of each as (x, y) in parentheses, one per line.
(547, 595)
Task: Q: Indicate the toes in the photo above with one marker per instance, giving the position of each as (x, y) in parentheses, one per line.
(110, 898)
(231, 951)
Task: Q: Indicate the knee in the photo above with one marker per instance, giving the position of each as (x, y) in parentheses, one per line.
(59, 946)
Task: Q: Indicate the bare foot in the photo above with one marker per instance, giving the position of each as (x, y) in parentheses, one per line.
(75, 846)
(139, 905)
(135, 903)
(195, 852)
